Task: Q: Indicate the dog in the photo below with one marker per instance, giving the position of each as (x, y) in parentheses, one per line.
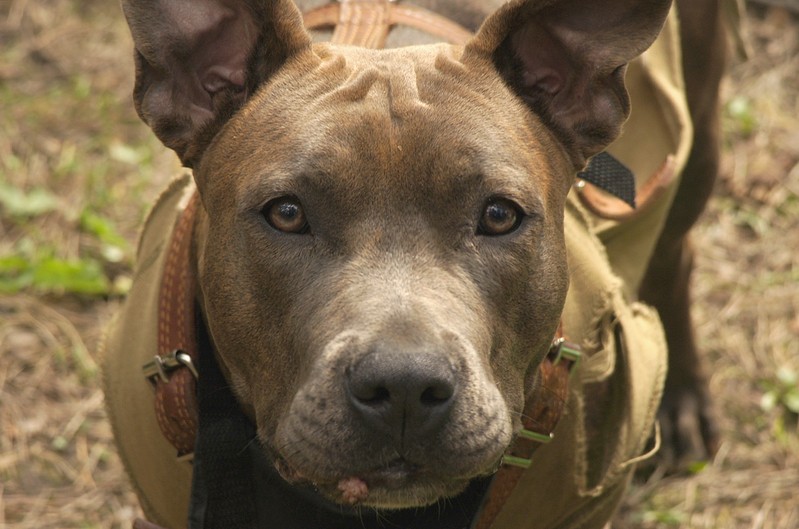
(370, 277)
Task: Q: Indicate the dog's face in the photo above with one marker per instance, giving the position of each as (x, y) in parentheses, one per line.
(380, 254)
(399, 266)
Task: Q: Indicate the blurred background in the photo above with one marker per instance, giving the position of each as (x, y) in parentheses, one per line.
(78, 171)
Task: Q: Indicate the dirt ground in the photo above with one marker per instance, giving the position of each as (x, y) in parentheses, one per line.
(77, 171)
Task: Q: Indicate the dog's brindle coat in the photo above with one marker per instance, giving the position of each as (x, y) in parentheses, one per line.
(410, 202)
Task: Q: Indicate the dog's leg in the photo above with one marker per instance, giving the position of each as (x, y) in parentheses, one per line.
(686, 414)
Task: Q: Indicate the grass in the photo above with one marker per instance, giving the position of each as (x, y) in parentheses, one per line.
(78, 170)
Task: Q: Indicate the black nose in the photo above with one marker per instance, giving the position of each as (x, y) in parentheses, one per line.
(407, 395)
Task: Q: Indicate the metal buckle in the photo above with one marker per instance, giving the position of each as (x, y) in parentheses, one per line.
(521, 462)
(514, 461)
(162, 365)
(563, 350)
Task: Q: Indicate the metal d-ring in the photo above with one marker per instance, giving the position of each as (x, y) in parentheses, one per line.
(161, 366)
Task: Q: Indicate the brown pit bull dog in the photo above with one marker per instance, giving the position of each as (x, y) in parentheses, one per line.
(353, 315)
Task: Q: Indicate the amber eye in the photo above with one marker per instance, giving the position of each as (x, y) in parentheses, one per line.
(500, 216)
(286, 214)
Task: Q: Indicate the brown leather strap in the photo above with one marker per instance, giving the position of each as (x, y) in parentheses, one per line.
(366, 23)
(542, 411)
(172, 370)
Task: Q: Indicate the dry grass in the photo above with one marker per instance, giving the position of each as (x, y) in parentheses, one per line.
(67, 125)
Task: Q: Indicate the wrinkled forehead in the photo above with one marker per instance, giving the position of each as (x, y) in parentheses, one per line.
(386, 108)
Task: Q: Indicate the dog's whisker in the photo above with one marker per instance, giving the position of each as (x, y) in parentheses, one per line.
(253, 440)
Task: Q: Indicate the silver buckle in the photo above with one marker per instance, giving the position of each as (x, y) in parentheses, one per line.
(563, 350)
(162, 366)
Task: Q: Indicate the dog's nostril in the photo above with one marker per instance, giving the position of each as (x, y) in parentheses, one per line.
(431, 396)
(378, 395)
(438, 394)
(372, 395)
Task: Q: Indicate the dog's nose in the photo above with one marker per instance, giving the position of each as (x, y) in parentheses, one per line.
(407, 395)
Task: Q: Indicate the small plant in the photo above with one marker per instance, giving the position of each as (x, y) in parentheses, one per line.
(668, 518)
(114, 247)
(782, 394)
(45, 273)
(740, 116)
(34, 263)
(20, 205)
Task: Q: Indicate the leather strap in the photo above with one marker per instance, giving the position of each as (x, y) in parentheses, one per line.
(542, 411)
(172, 370)
(366, 23)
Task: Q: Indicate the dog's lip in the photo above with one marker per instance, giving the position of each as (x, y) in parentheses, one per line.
(379, 483)
(394, 474)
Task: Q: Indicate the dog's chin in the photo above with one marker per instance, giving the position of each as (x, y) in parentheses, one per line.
(397, 485)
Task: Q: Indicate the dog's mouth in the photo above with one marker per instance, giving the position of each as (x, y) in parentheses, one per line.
(386, 486)
(381, 424)
(393, 476)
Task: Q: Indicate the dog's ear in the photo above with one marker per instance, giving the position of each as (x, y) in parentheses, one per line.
(197, 61)
(567, 58)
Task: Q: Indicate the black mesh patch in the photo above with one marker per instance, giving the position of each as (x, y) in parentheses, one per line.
(609, 174)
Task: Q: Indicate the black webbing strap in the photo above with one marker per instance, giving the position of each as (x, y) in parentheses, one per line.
(608, 173)
(222, 483)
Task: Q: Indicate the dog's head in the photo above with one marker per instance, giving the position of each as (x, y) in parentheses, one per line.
(380, 249)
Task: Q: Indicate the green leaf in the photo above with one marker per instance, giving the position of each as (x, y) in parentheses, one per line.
(768, 401)
(742, 113)
(113, 254)
(115, 247)
(126, 154)
(84, 276)
(15, 274)
(59, 443)
(669, 517)
(17, 203)
(698, 466)
(11, 264)
(791, 400)
(102, 228)
(787, 376)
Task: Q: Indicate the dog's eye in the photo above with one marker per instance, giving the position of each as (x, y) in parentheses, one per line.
(286, 214)
(500, 216)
